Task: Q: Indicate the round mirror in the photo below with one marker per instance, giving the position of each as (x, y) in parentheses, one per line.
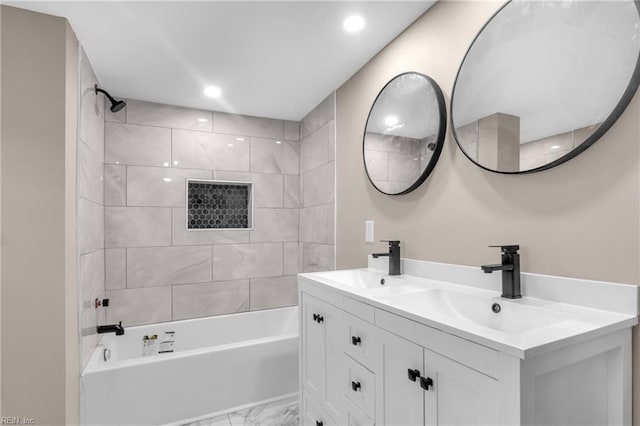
(404, 133)
(543, 80)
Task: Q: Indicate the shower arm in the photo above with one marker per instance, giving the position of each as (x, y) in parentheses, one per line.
(99, 90)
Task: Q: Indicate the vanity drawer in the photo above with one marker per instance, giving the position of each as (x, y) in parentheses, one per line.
(355, 417)
(313, 415)
(360, 386)
(359, 309)
(360, 344)
(465, 352)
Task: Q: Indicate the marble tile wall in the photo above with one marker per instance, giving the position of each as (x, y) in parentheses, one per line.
(542, 151)
(317, 188)
(534, 153)
(157, 270)
(468, 139)
(91, 240)
(394, 163)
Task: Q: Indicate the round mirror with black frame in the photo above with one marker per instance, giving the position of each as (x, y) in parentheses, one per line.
(544, 80)
(404, 133)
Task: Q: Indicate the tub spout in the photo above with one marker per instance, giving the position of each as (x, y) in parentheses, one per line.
(112, 328)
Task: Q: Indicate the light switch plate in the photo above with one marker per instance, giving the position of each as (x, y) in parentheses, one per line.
(368, 232)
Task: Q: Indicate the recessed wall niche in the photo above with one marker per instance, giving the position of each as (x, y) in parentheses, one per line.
(216, 204)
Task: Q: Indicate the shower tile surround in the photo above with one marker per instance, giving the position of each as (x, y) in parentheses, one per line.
(317, 188)
(156, 269)
(90, 210)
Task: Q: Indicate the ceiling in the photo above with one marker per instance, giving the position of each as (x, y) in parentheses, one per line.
(270, 59)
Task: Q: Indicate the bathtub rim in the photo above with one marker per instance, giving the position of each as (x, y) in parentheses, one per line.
(95, 365)
(202, 319)
(98, 367)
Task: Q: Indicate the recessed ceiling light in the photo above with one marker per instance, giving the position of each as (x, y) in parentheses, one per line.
(202, 120)
(212, 91)
(555, 146)
(229, 144)
(391, 120)
(166, 164)
(240, 139)
(278, 142)
(353, 23)
(166, 179)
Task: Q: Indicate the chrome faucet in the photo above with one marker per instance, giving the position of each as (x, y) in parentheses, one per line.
(394, 256)
(510, 268)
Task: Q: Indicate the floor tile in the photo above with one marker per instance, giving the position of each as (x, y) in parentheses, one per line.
(215, 421)
(279, 413)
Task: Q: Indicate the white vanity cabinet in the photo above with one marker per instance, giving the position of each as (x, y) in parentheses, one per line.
(423, 387)
(355, 373)
(364, 363)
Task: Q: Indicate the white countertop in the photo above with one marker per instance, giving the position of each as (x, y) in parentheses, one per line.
(525, 327)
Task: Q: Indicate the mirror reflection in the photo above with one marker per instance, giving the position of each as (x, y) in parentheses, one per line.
(404, 133)
(544, 80)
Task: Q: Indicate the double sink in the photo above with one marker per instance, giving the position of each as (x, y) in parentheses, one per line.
(521, 327)
(446, 302)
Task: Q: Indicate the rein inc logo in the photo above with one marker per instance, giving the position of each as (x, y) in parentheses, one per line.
(10, 420)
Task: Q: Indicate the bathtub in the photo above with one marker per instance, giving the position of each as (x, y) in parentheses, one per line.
(219, 364)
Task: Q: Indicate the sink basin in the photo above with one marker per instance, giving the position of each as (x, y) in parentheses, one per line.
(370, 282)
(443, 305)
(513, 316)
(359, 278)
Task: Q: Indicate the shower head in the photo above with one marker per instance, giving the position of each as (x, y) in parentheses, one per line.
(115, 105)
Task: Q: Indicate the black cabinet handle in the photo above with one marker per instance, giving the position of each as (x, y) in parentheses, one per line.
(355, 340)
(425, 382)
(315, 317)
(320, 319)
(413, 374)
(318, 422)
(355, 386)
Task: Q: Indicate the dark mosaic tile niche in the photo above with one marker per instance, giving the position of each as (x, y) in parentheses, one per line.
(218, 205)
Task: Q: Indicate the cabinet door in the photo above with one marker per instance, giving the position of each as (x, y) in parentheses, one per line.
(334, 361)
(313, 344)
(459, 395)
(400, 401)
(312, 414)
(322, 348)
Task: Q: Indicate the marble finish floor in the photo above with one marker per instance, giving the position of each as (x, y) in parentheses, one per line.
(279, 413)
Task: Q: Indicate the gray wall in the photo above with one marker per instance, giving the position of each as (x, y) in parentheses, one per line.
(40, 363)
(317, 189)
(156, 270)
(90, 209)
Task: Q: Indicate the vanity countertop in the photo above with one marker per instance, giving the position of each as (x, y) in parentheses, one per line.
(520, 327)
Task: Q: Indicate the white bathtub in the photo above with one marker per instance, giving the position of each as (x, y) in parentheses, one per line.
(219, 364)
